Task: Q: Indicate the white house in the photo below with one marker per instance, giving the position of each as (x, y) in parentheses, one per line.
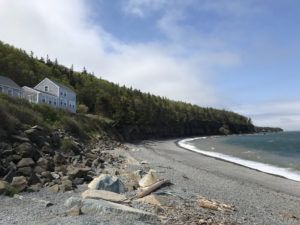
(51, 93)
(9, 87)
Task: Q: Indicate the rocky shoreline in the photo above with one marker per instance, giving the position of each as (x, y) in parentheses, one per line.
(105, 182)
(55, 175)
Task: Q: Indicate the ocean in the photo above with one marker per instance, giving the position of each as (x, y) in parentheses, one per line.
(274, 153)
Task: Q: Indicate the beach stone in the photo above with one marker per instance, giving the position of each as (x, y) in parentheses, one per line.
(154, 199)
(25, 149)
(33, 179)
(149, 179)
(25, 162)
(105, 195)
(3, 187)
(92, 206)
(54, 188)
(108, 183)
(20, 183)
(19, 138)
(36, 136)
(26, 171)
(78, 181)
(9, 176)
(59, 159)
(43, 163)
(79, 173)
(66, 185)
(74, 211)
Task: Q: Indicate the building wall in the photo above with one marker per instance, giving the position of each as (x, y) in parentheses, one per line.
(30, 95)
(10, 91)
(47, 86)
(67, 99)
(44, 98)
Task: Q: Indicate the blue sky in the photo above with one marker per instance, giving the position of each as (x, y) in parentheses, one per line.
(240, 55)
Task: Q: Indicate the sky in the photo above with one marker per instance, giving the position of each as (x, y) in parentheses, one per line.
(239, 55)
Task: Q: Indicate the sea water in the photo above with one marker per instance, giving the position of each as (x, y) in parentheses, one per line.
(274, 153)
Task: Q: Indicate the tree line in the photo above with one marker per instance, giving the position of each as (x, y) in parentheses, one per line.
(136, 115)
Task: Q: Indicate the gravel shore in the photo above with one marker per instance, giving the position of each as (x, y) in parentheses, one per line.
(259, 198)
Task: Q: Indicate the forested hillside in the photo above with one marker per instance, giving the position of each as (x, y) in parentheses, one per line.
(136, 115)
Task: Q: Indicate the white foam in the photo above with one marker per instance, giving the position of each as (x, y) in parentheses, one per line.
(284, 172)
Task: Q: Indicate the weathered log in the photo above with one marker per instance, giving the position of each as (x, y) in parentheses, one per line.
(146, 191)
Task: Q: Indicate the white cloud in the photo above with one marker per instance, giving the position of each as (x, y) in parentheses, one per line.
(182, 69)
(284, 114)
(62, 29)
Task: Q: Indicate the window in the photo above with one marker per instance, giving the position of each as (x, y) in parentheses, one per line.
(61, 93)
(65, 94)
(43, 100)
(54, 102)
(46, 88)
(50, 102)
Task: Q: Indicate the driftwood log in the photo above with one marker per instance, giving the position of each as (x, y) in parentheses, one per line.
(146, 191)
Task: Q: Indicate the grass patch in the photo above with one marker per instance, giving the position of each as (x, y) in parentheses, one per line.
(19, 114)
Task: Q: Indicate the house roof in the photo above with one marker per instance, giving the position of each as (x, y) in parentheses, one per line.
(8, 82)
(63, 86)
(39, 91)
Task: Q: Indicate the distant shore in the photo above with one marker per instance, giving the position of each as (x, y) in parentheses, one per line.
(259, 198)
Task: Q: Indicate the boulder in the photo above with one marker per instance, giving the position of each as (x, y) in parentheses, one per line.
(20, 183)
(25, 171)
(78, 181)
(33, 179)
(66, 185)
(92, 206)
(44, 163)
(19, 138)
(36, 136)
(105, 195)
(9, 176)
(157, 200)
(108, 183)
(74, 172)
(25, 162)
(74, 211)
(25, 149)
(54, 188)
(59, 159)
(149, 179)
(3, 187)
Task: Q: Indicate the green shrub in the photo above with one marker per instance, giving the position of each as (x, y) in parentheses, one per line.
(82, 109)
(67, 145)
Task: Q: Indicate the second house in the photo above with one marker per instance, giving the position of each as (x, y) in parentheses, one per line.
(51, 93)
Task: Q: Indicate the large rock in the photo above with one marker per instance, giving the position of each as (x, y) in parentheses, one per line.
(3, 187)
(92, 206)
(25, 149)
(74, 172)
(25, 171)
(108, 183)
(36, 136)
(43, 163)
(149, 179)
(20, 183)
(66, 185)
(105, 195)
(25, 162)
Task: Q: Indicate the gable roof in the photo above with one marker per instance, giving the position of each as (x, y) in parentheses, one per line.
(8, 82)
(57, 84)
(63, 86)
